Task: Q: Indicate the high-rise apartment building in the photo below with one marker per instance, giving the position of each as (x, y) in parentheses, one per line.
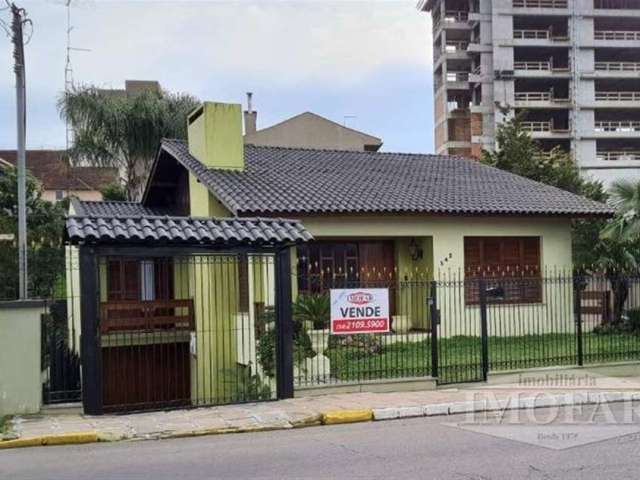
(571, 68)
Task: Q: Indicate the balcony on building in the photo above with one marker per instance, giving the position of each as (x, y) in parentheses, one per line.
(475, 45)
(543, 124)
(621, 152)
(541, 62)
(454, 16)
(616, 32)
(550, 146)
(540, 5)
(451, 46)
(617, 93)
(542, 93)
(617, 8)
(616, 63)
(540, 30)
(617, 124)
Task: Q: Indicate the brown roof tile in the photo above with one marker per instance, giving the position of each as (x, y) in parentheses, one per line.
(53, 171)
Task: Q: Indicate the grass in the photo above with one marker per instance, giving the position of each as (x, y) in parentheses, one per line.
(460, 357)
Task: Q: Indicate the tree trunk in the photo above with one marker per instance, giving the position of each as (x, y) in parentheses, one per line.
(620, 289)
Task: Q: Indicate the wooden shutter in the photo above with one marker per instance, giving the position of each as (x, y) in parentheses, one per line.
(510, 262)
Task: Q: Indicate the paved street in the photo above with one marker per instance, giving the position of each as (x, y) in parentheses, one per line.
(418, 448)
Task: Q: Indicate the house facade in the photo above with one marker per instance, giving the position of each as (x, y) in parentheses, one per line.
(362, 219)
(58, 178)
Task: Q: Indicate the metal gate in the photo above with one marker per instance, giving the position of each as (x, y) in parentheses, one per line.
(458, 348)
(190, 330)
(60, 363)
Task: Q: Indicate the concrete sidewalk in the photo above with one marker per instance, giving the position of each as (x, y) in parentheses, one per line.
(324, 409)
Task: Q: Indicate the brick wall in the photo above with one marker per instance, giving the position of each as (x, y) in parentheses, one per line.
(476, 150)
(463, 152)
(476, 124)
(459, 130)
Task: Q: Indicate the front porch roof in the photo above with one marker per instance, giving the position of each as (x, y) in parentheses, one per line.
(129, 222)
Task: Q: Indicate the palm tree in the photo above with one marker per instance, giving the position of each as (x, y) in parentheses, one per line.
(616, 259)
(625, 226)
(618, 252)
(123, 131)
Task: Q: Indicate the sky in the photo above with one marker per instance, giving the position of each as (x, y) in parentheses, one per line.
(363, 63)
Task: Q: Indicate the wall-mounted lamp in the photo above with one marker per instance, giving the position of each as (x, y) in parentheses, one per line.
(415, 252)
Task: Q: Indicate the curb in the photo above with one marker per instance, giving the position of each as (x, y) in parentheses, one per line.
(511, 403)
(336, 417)
(347, 416)
(59, 439)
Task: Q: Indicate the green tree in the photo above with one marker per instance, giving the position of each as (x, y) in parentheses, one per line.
(123, 131)
(518, 153)
(45, 224)
(114, 192)
(618, 250)
(616, 258)
(625, 226)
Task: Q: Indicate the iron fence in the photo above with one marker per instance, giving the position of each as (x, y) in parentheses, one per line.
(189, 330)
(200, 329)
(460, 329)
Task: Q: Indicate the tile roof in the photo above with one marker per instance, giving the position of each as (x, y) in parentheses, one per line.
(280, 180)
(112, 222)
(52, 169)
(114, 209)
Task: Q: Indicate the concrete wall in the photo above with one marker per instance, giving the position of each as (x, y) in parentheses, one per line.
(20, 369)
(85, 195)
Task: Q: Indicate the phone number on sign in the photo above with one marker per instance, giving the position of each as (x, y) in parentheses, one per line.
(361, 325)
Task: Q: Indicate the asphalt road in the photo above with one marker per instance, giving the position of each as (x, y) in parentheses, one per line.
(425, 448)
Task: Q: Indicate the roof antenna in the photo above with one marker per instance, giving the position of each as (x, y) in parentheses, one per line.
(249, 108)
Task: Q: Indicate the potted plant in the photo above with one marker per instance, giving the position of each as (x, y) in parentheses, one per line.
(313, 311)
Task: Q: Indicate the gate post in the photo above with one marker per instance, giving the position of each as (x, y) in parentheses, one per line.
(90, 354)
(435, 321)
(483, 328)
(577, 314)
(284, 325)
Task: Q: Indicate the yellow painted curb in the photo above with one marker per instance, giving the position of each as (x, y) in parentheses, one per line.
(61, 439)
(346, 416)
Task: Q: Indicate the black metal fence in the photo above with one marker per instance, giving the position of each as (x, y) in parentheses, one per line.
(60, 357)
(192, 330)
(459, 329)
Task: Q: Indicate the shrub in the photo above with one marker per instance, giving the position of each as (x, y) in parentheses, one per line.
(313, 308)
(629, 324)
(302, 347)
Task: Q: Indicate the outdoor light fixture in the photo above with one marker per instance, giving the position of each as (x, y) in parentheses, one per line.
(414, 250)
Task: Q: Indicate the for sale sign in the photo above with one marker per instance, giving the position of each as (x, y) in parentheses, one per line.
(364, 310)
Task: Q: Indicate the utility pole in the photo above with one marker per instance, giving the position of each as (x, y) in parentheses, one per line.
(18, 20)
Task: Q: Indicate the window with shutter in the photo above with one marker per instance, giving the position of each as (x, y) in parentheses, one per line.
(512, 263)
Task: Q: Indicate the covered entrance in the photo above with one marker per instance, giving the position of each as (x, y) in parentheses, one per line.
(185, 322)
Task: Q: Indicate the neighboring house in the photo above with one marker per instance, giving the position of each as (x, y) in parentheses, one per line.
(133, 87)
(307, 130)
(377, 219)
(60, 179)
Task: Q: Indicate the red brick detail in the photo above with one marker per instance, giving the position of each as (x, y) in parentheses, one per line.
(476, 150)
(476, 124)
